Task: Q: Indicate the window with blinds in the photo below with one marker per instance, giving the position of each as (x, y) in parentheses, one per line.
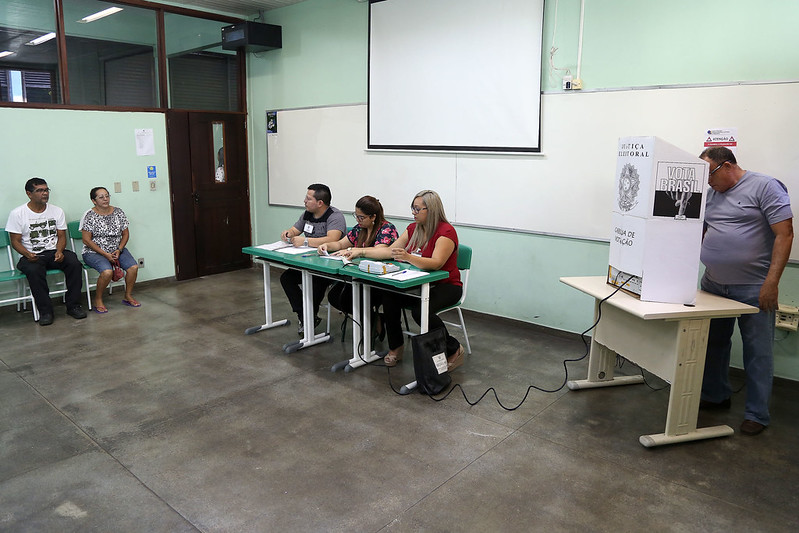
(4, 86)
(33, 86)
(204, 81)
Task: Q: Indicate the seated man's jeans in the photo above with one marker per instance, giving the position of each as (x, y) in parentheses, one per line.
(757, 334)
(36, 272)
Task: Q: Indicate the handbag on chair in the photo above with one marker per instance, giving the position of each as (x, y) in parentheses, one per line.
(430, 361)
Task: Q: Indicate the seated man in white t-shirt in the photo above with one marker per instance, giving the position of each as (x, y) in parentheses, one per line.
(37, 232)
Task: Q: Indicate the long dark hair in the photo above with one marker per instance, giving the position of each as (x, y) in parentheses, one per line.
(370, 206)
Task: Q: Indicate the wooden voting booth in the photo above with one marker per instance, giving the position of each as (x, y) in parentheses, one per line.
(657, 220)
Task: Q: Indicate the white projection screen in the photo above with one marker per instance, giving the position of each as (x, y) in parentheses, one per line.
(460, 75)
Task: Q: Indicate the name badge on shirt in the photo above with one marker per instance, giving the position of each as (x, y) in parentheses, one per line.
(308, 228)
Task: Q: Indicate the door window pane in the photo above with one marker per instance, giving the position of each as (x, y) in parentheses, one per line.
(202, 76)
(112, 60)
(218, 134)
(28, 52)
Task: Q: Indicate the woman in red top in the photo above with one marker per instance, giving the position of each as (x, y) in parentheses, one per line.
(430, 243)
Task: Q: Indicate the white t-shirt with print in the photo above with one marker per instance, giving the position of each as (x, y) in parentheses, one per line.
(38, 230)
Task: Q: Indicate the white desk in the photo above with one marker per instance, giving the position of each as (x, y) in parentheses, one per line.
(669, 340)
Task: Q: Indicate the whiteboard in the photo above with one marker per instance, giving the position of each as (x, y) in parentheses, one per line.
(328, 145)
(565, 191)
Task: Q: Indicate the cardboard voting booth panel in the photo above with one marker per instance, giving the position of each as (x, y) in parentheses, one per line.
(658, 217)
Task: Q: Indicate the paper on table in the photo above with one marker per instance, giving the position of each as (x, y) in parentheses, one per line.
(296, 251)
(403, 275)
(337, 258)
(274, 246)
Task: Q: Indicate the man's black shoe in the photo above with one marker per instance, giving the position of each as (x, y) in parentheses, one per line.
(750, 427)
(76, 312)
(45, 320)
(301, 327)
(715, 406)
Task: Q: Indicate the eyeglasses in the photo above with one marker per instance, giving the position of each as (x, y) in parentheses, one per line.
(415, 210)
(360, 218)
(42, 190)
(103, 197)
(309, 199)
(715, 169)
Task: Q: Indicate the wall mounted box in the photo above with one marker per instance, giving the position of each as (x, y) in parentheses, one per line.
(252, 36)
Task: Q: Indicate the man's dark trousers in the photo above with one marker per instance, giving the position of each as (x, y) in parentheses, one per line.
(36, 272)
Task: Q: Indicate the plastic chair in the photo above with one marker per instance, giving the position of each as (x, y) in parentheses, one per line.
(464, 265)
(75, 235)
(19, 295)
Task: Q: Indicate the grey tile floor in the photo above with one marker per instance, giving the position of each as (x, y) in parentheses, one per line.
(168, 418)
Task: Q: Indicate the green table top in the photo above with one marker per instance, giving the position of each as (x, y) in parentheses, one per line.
(381, 279)
(331, 266)
(309, 260)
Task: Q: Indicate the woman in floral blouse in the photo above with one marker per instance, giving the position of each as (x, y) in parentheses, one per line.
(372, 231)
(105, 234)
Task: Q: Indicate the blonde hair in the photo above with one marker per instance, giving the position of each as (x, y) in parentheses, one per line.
(435, 216)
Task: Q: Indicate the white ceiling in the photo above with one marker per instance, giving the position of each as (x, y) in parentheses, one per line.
(245, 8)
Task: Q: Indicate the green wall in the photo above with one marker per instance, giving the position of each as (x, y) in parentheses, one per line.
(323, 62)
(77, 150)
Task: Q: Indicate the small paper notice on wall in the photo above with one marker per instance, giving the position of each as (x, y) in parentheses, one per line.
(145, 144)
(722, 137)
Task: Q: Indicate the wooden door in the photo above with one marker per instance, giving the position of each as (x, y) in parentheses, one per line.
(210, 195)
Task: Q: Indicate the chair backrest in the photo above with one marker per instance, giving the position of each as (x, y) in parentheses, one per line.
(73, 228)
(7, 260)
(464, 257)
(464, 265)
(74, 232)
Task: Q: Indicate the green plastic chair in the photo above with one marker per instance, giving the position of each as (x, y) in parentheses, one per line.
(9, 275)
(465, 266)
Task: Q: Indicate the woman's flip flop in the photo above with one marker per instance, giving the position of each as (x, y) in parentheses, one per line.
(131, 303)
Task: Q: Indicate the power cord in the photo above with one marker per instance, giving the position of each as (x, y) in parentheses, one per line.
(531, 387)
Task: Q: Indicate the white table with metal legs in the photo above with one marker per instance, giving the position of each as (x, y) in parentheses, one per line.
(668, 340)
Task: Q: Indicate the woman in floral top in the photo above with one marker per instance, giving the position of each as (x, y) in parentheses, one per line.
(372, 231)
(105, 234)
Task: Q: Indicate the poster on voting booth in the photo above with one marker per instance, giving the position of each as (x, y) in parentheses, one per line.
(657, 220)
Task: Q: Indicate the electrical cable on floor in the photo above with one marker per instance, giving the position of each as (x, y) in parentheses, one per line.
(620, 361)
(531, 387)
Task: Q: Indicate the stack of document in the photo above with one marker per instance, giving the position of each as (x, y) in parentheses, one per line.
(286, 248)
(274, 246)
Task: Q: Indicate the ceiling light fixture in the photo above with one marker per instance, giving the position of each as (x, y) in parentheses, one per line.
(100, 14)
(5, 53)
(43, 39)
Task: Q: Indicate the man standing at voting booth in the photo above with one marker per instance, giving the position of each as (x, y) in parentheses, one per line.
(746, 245)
